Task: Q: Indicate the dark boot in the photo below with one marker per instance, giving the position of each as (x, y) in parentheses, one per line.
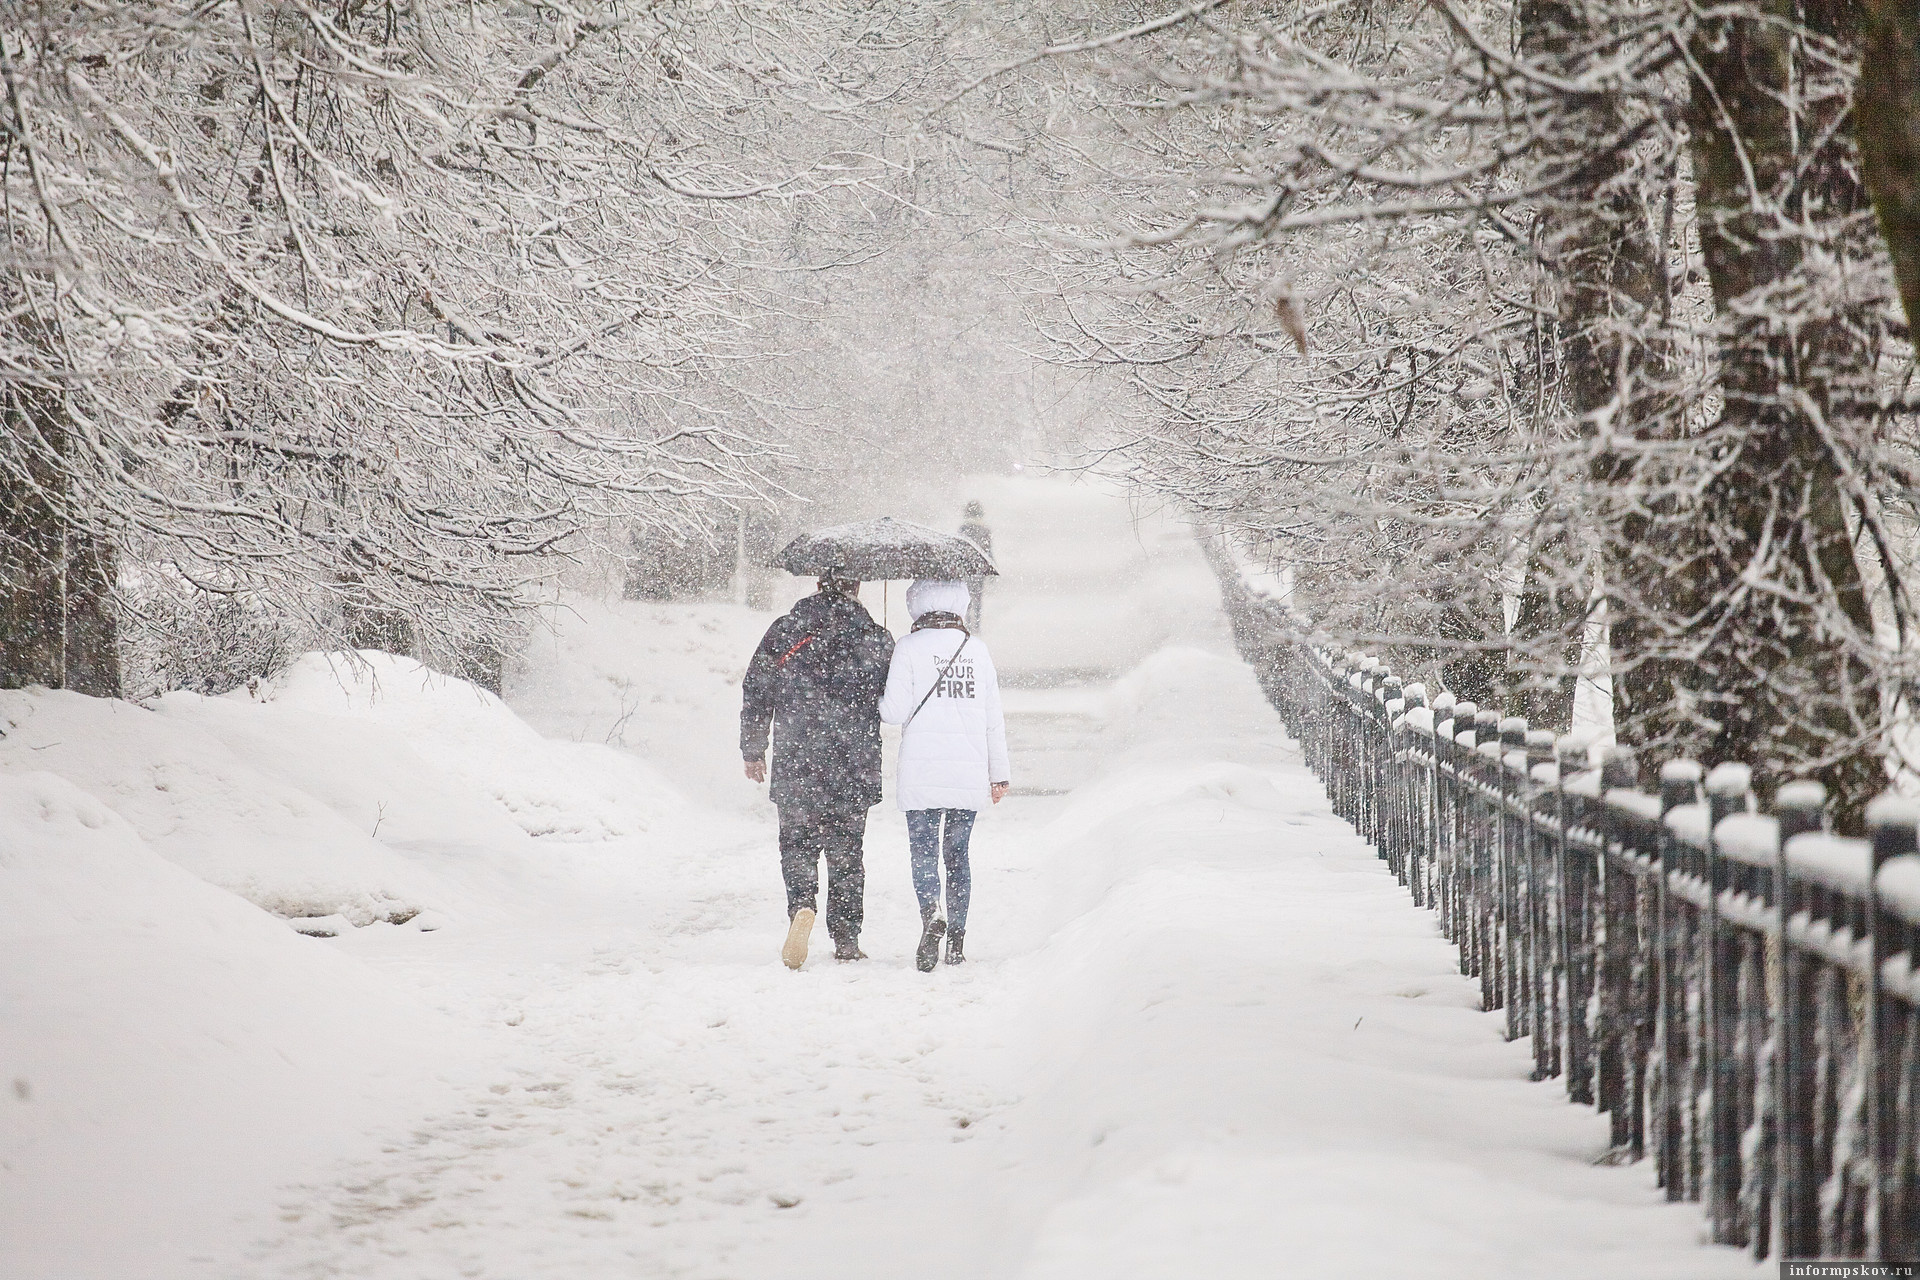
(955, 941)
(928, 953)
(845, 949)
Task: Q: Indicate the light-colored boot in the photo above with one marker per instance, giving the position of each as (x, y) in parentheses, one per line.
(794, 954)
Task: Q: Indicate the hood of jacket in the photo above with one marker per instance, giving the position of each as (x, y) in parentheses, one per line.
(930, 596)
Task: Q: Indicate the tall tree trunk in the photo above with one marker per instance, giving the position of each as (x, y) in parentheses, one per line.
(1472, 673)
(1609, 279)
(1775, 607)
(1887, 122)
(56, 579)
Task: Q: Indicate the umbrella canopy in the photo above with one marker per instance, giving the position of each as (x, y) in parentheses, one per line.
(874, 550)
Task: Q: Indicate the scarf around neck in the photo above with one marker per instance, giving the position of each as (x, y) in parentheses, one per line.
(933, 618)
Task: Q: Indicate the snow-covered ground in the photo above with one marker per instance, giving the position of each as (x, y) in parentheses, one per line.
(1203, 1033)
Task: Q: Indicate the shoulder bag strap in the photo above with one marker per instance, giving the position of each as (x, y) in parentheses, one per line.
(936, 681)
(805, 641)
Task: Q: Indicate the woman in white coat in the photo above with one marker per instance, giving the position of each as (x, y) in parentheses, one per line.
(953, 753)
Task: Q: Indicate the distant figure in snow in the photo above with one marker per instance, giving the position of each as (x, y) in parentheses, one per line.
(976, 531)
(816, 679)
(953, 754)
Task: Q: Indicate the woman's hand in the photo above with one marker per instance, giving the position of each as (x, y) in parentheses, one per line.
(756, 770)
(1000, 790)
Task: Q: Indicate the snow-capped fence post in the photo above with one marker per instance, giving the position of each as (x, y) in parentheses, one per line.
(1439, 841)
(1728, 787)
(1460, 834)
(1678, 782)
(1745, 846)
(1477, 849)
(1485, 843)
(1510, 767)
(1368, 795)
(1326, 716)
(1306, 723)
(1412, 798)
(1329, 722)
(1474, 846)
(1363, 794)
(1542, 885)
(1417, 779)
(1346, 746)
(1351, 767)
(1833, 871)
(1394, 767)
(1380, 772)
(1363, 777)
(1360, 769)
(1893, 822)
(1897, 890)
(1327, 712)
(1334, 768)
(1412, 794)
(1800, 806)
(1310, 702)
(1621, 1014)
(1578, 875)
(1446, 754)
(1354, 766)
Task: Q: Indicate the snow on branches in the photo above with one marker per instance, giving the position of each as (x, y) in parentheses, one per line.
(370, 309)
(1602, 336)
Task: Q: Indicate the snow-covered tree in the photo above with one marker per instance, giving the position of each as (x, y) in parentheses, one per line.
(366, 311)
(1563, 311)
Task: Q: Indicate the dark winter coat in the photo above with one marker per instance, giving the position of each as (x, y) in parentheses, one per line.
(816, 679)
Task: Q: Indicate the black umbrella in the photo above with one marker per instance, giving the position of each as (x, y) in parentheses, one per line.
(876, 550)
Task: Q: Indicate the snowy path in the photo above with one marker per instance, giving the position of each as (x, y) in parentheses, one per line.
(1205, 1034)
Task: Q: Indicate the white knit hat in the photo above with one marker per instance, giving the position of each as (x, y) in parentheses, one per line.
(926, 596)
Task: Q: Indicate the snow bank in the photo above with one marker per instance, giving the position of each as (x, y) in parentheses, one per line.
(376, 778)
(1169, 690)
(198, 803)
(567, 791)
(1247, 1053)
(168, 1047)
(659, 680)
(306, 796)
(173, 1055)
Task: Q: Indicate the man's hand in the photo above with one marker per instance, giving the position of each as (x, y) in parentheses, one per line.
(756, 771)
(1000, 790)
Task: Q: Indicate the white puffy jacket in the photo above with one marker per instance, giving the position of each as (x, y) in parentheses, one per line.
(956, 746)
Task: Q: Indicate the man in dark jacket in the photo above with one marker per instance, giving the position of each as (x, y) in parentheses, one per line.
(816, 679)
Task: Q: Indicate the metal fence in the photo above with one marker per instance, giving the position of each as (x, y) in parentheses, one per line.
(1738, 991)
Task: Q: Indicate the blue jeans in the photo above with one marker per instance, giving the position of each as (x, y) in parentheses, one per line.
(928, 843)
